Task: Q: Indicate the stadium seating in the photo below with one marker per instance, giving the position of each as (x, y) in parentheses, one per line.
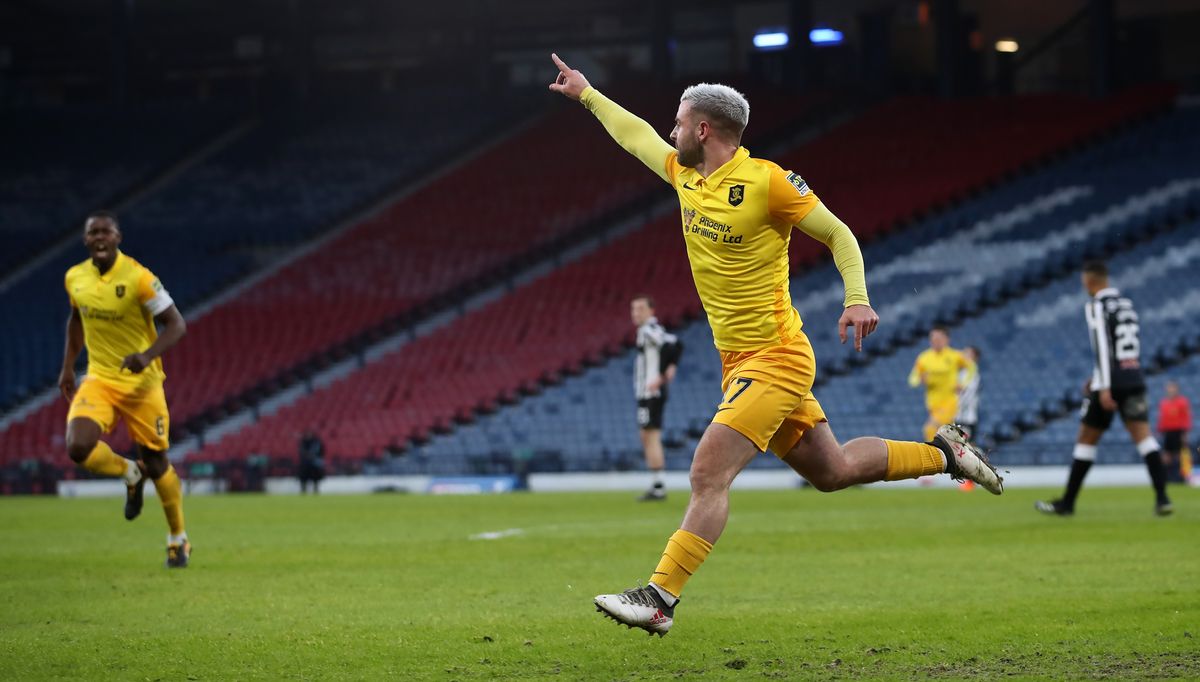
(295, 174)
(432, 242)
(63, 162)
(574, 315)
(972, 252)
(1053, 443)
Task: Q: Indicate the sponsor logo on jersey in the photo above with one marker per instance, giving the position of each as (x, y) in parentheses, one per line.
(736, 194)
(689, 214)
(799, 183)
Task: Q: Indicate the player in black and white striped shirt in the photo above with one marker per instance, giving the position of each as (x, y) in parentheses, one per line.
(968, 394)
(1116, 386)
(654, 368)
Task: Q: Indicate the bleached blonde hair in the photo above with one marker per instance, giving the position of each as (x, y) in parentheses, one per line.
(727, 107)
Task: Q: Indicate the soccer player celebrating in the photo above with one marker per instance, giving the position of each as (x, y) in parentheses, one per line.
(737, 218)
(938, 368)
(1116, 385)
(115, 302)
(654, 369)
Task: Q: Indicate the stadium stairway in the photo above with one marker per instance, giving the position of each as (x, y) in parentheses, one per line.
(538, 334)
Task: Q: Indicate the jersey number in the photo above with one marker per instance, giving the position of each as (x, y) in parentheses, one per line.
(745, 384)
(158, 426)
(1125, 336)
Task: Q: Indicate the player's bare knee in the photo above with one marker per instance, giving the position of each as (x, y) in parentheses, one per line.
(155, 462)
(828, 482)
(80, 443)
(78, 448)
(823, 484)
(706, 480)
(835, 476)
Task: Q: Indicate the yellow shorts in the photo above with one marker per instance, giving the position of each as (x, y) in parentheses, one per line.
(144, 409)
(942, 410)
(768, 394)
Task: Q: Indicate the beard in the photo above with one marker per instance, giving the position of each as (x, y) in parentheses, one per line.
(690, 157)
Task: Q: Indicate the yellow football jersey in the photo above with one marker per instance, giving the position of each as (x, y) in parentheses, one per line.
(737, 224)
(940, 370)
(117, 310)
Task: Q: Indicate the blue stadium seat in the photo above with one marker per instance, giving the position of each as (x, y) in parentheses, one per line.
(1016, 249)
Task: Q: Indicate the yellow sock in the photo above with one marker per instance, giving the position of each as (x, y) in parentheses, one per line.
(684, 553)
(170, 493)
(912, 460)
(102, 460)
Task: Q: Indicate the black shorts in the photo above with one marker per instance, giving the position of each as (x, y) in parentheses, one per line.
(650, 412)
(1172, 441)
(1130, 403)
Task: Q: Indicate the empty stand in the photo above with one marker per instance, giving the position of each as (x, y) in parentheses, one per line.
(292, 176)
(59, 164)
(558, 323)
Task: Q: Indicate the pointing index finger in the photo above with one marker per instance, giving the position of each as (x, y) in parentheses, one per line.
(562, 66)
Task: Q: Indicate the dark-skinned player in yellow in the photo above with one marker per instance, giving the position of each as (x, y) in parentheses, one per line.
(115, 306)
(738, 214)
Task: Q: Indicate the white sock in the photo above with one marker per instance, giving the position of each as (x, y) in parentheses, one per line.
(132, 473)
(666, 596)
(1147, 446)
(177, 539)
(658, 478)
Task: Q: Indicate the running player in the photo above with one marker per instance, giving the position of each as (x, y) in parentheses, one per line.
(657, 358)
(115, 303)
(938, 368)
(1116, 385)
(737, 218)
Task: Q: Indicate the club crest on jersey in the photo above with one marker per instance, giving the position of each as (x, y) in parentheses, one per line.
(799, 183)
(736, 194)
(120, 291)
(689, 214)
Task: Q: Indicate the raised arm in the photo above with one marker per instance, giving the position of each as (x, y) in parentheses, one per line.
(633, 134)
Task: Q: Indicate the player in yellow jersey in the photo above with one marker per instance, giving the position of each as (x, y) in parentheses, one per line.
(939, 369)
(115, 303)
(737, 217)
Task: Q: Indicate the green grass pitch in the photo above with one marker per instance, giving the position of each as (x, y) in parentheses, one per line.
(862, 584)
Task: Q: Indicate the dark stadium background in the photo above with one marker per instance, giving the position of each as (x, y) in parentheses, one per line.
(382, 228)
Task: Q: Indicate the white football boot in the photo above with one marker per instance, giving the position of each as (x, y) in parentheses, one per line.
(969, 461)
(640, 607)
